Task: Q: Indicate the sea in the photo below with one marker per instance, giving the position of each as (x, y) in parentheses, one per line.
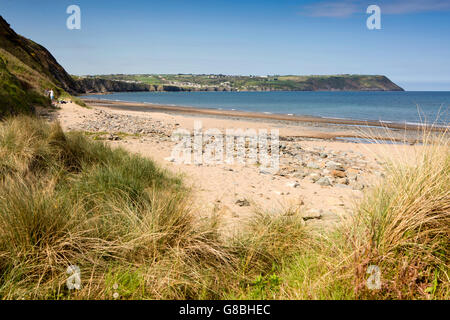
(410, 107)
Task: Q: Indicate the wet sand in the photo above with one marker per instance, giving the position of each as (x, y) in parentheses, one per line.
(313, 127)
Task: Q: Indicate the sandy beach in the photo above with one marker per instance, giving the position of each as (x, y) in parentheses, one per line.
(319, 176)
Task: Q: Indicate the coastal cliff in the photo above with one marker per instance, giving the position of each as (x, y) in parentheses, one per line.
(99, 85)
(95, 85)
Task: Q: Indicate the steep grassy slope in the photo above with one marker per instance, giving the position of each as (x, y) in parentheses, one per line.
(35, 56)
(11, 92)
(19, 86)
(26, 70)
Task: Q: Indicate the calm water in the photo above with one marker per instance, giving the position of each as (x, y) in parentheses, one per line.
(387, 106)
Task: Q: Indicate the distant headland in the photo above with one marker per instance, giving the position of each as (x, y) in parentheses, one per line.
(221, 82)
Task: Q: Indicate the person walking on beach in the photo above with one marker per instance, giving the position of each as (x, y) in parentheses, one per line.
(52, 95)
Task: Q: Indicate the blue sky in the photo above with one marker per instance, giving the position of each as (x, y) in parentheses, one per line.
(244, 37)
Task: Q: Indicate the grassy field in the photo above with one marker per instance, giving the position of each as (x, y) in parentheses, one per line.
(130, 228)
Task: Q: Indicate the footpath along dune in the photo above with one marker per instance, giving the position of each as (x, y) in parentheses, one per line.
(321, 178)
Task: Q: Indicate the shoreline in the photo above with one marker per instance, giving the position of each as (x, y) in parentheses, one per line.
(146, 106)
(352, 131)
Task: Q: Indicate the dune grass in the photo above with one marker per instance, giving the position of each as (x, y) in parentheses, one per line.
(131, 229)
(65, 201)
(402, 227)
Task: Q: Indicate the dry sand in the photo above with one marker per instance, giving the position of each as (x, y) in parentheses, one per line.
(235, 192)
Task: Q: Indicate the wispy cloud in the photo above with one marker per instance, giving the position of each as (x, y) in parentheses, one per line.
(331, 9)
(346, 8)
(415, 6)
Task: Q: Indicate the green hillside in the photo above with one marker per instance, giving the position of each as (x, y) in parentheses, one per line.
(26, 70)
(35, 56)
(219, 82)
(19, 86)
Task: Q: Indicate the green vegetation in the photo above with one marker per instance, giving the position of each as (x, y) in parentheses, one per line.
(257, 83)
(34, 56)
(22, 88)
(26, 71)
(68, 200)
(17, 88)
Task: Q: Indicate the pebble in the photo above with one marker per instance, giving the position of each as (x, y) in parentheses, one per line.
(312, 165)
(332, 165)
(243, 203)
(338, 174)
(342, 186)
(314, 177)
(324, 181)
(264, 171)
(358, 186)
(293, 184)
